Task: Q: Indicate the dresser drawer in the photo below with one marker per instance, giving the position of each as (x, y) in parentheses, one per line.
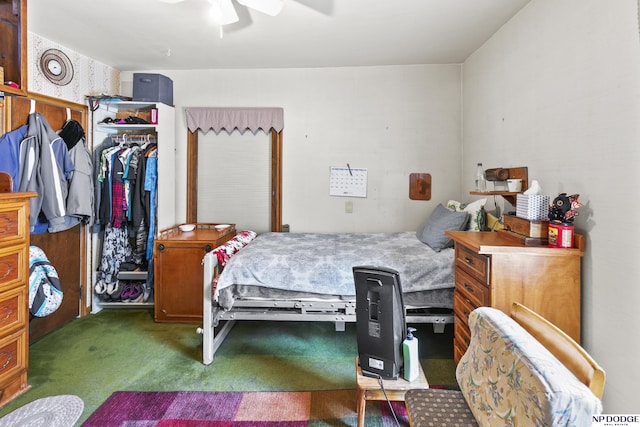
(461, 337)
(13, 354)
(13, 311)
(12, 272)
(463, 307)
(473, 263)
(471, 289)
(13, 218)
(458, 350)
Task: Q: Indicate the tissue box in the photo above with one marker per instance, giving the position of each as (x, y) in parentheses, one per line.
(532, 206)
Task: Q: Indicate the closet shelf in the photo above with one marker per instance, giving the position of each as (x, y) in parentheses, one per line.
(108, 127)
(132, 275)
(126, 304)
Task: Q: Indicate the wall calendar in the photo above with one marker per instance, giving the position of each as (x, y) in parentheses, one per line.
(348, 181)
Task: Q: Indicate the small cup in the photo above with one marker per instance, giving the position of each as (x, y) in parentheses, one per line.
(514, 185)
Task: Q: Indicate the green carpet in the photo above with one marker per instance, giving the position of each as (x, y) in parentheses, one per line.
(119, 350)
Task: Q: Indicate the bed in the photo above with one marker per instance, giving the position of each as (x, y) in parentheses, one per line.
(309, 277)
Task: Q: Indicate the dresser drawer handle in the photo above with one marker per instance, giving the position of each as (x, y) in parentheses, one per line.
(161, 247)
(469, 260)
(467, 287)
(8, 357)
(5, 312)
(208, 248)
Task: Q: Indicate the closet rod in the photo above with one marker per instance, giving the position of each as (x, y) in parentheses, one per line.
(124, 138)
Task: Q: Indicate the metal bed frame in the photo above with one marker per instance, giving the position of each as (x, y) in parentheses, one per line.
(338, 311)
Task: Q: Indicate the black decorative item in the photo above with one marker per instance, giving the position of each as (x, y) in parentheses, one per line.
(563, 208)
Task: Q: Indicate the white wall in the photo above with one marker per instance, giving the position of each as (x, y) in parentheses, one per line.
(557, 89)
(391, 120)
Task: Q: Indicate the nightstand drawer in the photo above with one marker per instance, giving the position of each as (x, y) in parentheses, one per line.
(475, 292)
(473, 263)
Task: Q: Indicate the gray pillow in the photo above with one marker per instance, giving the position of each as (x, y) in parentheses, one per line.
(441, 220)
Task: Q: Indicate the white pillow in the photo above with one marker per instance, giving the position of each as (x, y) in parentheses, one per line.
(474, 209)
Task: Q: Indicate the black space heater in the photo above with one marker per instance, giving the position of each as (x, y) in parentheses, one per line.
(380, 321)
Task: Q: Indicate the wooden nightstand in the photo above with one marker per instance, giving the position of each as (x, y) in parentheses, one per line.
(494, 270)
(179, 273)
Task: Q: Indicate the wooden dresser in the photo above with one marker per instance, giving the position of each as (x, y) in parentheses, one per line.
(495, 270)
(179, 273)
(14, 294)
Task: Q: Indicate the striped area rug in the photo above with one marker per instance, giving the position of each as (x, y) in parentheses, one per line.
(237, 409)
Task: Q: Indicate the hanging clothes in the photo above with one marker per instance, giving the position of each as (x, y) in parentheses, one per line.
(126, 182)
(40, 172)
(151, 185)
(80, 196)
(10, 153)
(56, 166)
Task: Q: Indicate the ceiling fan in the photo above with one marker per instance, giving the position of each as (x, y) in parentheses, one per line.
(223, 13)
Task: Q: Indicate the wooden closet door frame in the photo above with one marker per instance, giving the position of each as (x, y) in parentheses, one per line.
(276, 178)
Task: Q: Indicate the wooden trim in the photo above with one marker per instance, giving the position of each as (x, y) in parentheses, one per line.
(20, 105)
(192, 177)
(276, 179)
(18, 55)
(24, 59)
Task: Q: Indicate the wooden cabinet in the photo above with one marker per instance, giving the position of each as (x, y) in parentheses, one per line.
(13, 49)
(14, 294)
(179, 273)
(493, 269)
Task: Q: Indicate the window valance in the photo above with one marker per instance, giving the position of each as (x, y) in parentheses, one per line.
(205, 118)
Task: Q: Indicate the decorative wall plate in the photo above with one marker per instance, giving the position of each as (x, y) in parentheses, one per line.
(56, 67)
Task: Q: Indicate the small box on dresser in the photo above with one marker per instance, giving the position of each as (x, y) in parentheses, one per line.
(532, 206)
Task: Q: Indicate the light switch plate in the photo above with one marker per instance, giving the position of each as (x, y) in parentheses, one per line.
(348, 207)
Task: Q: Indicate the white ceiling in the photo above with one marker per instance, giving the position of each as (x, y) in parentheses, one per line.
(152, 35)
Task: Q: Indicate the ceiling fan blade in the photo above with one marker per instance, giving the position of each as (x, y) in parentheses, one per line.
(223, 12)
(322, 6)
(268, 7)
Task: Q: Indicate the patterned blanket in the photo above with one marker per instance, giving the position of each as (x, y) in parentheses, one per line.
(322, 263)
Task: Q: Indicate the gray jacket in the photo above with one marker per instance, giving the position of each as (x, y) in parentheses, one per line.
(80, 198)
(40, 173)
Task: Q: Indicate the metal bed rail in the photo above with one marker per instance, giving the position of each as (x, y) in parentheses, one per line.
(338, 311)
